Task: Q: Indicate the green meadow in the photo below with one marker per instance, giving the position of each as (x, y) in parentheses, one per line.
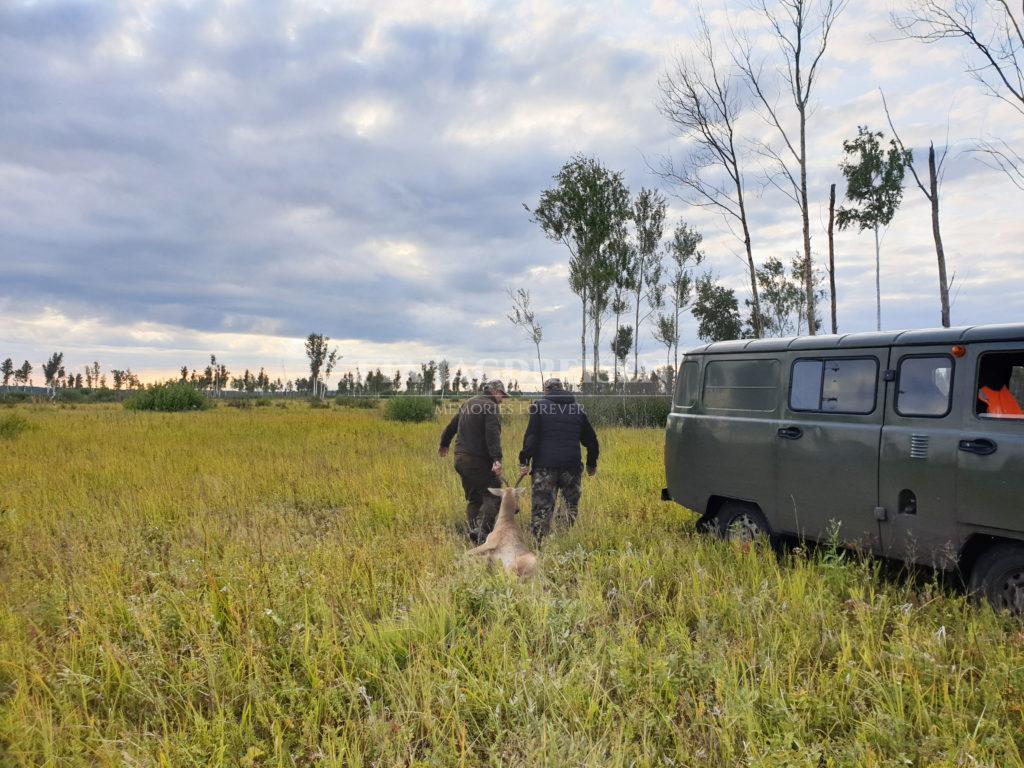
(286, 586)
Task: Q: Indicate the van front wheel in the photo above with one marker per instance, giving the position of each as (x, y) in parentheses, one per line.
(998, 576)
(742, 523)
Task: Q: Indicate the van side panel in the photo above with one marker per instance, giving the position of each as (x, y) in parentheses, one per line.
(724, 445)
(827, 464)
(917, 473)
(990, 488)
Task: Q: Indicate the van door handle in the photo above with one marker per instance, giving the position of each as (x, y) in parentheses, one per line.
(791, 433)
(980, 445)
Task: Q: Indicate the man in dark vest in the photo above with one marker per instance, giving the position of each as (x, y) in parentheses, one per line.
(556, 429)
(478, 456)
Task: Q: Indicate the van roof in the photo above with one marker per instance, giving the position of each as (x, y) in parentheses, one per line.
(964, 334)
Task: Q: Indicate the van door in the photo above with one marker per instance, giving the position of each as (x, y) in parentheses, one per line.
(990, 452)
(917, 475)
(827, 444)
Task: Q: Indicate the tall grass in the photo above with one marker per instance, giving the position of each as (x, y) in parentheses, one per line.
(286, 587)
(627, 410)
(12, 425)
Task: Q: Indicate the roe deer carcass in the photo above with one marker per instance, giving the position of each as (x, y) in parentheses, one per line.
(505, 543)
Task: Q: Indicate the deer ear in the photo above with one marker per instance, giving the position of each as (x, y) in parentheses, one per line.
(518, 491)
(495, 491)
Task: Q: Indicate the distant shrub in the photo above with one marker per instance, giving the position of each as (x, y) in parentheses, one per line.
(15, 397)
(410, 408)
(262, 402)
(175, 396)
(628, 411)
(104, 395)
(239, 402)
(349, 401)
(319, 404)
(12, 425)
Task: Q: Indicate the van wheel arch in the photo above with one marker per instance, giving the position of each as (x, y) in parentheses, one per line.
(998, 576)
(749, 518)
(976, 546)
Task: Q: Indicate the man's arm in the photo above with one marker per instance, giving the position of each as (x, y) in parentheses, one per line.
(449, 434)
(530, 438)
(492, 432)
(588, 437)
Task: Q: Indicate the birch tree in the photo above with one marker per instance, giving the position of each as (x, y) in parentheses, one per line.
(701, 96)
(801, 31)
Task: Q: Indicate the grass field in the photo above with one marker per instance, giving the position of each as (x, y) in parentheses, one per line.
(284, 586)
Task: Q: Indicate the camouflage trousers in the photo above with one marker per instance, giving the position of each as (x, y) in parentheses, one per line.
(546, 485)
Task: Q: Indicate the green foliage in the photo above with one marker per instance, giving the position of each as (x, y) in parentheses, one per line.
(81, 396)
(173, 396)
(622, 343)
(317, 403)
(628, 411)
(717, 311)
(12, 425)
(9, 398)
(874, 180)
(410, 408)
(349, 401)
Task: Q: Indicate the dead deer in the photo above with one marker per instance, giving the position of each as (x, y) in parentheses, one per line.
(505, 543)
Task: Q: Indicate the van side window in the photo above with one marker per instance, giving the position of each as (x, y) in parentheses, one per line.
(1001, 386)
(741, 385)
(834, 385)
(924, 386)
(689, 384)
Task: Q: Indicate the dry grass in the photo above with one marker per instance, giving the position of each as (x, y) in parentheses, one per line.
(277, 587)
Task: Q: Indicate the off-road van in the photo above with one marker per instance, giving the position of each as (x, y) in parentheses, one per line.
(909, 445)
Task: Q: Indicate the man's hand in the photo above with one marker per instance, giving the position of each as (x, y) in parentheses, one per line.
(592, 471)
(496, 468)
(442, 451)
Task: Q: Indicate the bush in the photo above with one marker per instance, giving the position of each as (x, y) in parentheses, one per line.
(319, 404)
(628, 411)
(176, 396)
(12, 425)
(104, 395)
(349, 401)
(410, 408)
(15, 397)
(262, 402)
(239, 402)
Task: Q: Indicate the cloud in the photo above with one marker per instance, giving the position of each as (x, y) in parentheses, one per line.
(183, 178)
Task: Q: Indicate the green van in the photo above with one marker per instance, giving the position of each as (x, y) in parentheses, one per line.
(908, 445)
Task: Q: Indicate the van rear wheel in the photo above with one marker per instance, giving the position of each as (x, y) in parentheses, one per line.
(742, 523)
(998, 576)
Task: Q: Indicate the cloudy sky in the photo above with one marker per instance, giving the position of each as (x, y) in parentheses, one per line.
(185, 178)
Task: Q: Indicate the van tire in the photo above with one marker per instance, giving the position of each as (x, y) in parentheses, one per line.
(742, 523)
(998, 576)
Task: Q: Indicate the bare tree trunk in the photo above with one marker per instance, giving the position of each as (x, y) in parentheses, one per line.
(540, 367)
(832, 255)
(583, 343)
(878, 283)
(636, 330)
(758, 329)
(806, 219)
(940, 254)
(615, 358)
(597, 350)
